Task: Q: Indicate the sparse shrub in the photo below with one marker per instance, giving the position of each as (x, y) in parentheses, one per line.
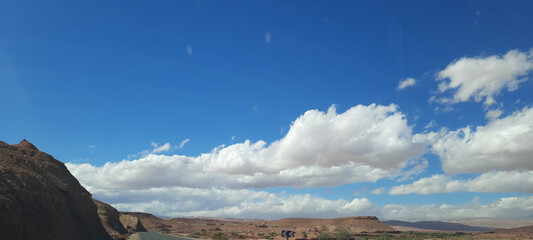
(324, 236)
(220, 236)
(385, 236)
(196, 234)
(341, 233)
(305, 234)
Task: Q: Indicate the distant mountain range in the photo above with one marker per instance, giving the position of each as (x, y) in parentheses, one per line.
(494, 223)
(438, 225)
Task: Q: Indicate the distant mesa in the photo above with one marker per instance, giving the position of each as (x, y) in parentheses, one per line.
(40, 199)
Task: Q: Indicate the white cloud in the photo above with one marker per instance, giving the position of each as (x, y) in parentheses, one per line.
(189, 50)
(500, 181)
(183, 143)
(493, 114)
(418, 166)
(376, 136)
(408, 82)
(443, 109)
(483, 78)
(219, 202)
(92, 146)
(503, 144)
(431, 124)
(510, 207)
(364, 144)
(163, 148)
(380, 190)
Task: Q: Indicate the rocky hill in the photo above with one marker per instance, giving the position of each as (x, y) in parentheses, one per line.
(110, 218)
(40, 199)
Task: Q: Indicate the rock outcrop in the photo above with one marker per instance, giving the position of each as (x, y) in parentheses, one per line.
(110, 218)
(132, 223)
(146, 220)
(40, 199)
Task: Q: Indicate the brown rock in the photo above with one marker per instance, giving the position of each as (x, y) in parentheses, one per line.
(25, 144)
(40, 199)
(132, 223)
(110, 218)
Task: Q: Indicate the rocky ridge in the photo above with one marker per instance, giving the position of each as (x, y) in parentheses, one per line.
(40, 199)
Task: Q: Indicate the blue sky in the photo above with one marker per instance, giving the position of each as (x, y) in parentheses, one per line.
(272, 109)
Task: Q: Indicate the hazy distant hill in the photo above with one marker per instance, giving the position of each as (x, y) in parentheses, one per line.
(40, 199)
(438, 225)
(528, 230)
(493, 223)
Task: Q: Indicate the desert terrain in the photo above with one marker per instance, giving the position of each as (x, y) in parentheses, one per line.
(365, 227)
(40, 199)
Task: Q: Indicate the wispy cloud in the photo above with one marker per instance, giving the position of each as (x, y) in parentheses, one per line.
(189, 49)
(381, 190)
(431, 124)
(183, 143)
(267, 37)
(498, 181)
(408, 82)
(493, 114)
(163, 148)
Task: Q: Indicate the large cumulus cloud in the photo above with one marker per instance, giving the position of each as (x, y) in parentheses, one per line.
(502, 144)
(365, 143)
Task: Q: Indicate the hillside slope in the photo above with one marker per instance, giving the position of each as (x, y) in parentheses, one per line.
(40, 199)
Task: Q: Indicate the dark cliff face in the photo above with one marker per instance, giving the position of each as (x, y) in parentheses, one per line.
(40, 199)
